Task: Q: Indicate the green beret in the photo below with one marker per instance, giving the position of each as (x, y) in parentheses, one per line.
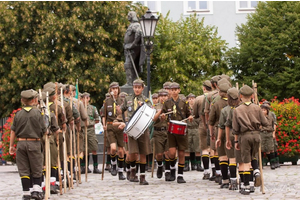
(174, 85)
(233, 93)
(224, 87)
(49, 84)
(191, 95)
(29, 94)
(246, 90)
(85, 94)
(114, 85)
(154, 95)
(51, 91)
(207, 83)
(163, 92)
(138, 82)
(166, 85)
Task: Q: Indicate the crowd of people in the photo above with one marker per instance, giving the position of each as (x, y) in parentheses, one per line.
(219, 133)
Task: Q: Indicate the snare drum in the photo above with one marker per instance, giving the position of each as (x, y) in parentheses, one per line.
(177, 127)
(140, 121)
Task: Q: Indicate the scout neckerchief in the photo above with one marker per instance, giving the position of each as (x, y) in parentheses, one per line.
(177, 107)
(135, 104)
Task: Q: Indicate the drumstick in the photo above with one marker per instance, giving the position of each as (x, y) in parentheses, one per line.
(187, 118)
(167, 113)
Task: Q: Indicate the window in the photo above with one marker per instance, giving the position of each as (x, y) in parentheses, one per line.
(203, 7)
(246, 6)
(154, 6)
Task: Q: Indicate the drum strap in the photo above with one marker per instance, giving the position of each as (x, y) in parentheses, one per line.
(176, 103)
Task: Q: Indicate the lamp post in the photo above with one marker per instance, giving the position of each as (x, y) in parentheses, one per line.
(148, 24)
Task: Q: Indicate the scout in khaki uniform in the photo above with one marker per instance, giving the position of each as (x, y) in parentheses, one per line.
(181, 110)
(115, 134)
(223, 152)
(272, 114)
(160, 137)
(140, 146)
(93, 118)
(267, 135)
(193, 152)
(213, 121)
(246, 122)
(198, 112)
(29, 128)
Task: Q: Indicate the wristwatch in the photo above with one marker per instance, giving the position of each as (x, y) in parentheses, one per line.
(236, 141)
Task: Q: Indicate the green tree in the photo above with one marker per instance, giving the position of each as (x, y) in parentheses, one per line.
(269, 50)
(61, 41)
(186, 52)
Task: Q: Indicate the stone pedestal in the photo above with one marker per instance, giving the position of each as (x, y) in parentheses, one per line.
(129, 90)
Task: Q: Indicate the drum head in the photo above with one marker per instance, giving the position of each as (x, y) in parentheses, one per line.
(178, 122)
(134, 117)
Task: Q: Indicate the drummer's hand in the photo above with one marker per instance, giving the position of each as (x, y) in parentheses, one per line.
(163, 116)
(190, 118)
(140, 103)
(122, 125)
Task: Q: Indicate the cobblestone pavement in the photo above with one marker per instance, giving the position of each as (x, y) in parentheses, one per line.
(283, 183)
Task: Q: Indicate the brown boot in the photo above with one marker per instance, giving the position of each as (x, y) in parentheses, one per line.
(143, 180)
(128, 175)
(133, 177)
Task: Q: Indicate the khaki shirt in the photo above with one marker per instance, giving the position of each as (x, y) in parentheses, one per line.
(195, 123)
(159, 122)
(184, 108)
(248, 117)
(129, 103)
(29, 123)
(270, 127)
(67, 111)
(198, 108)
(60, 115)
(209, 99)
(215, 111)
(110, 109)
(53, 123)
(75, 112)
(223, 117)
(93, 114)
(81, 109)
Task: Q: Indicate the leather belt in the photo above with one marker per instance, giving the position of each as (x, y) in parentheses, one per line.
(28, 139)
(160, 128)
(109, 122)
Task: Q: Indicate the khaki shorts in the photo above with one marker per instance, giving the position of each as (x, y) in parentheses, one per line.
(160, 139)
(91, 140)
(222, 150)
(203, 138)
(249, 145)
(267, 142)
(53, 151)
(238, 155)
(180, 141)
(29, 158)
(193, 140)
(141, 145)
(115, 135)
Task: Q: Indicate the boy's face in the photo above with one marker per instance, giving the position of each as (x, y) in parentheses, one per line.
(175, 92)
(265, 111)
(138, 89)
(163, 98)
(191, 101)
(115, 91)
(155, 100)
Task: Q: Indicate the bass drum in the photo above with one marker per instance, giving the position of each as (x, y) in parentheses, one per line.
(140, 121)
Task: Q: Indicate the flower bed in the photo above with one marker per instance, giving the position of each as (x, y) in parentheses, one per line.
(6, 139)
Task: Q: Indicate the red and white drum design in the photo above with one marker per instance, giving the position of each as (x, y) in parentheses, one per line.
(177, 127)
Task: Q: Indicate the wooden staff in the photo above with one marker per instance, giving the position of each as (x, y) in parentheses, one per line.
(152, 168)
(78, 144)
(64, 146)
(57, 142)
(237, 85)
(71, 147)
(86, 147)
(104, 143)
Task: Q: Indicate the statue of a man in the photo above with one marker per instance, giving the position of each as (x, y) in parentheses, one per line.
(134, 55)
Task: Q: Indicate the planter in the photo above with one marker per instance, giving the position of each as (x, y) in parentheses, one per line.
(293, 159)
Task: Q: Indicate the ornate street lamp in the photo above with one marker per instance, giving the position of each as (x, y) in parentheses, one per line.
(148, 24)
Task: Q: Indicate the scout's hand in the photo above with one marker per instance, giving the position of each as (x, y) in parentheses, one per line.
(140, 103)
(213, 136)
(228, 144)
(163, 116)
(190, 118)
(64, 127)
(105, 127)
(119, 111)
(237, 146)
(12, 150)
(122, 126)
(218, 143)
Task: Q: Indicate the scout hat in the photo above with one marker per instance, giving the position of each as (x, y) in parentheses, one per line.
(123, 94)
(85, 94)
(29, 94)
(72, 87)
(191, 95)
(266, 106)
(49, 84)
(215, 78)
(223, 80)
(166, 85)
(233, 93)
(224, 87)
(207, 83)
(246, 90)
(182, 97)
(154, 95)
(163, 92)
(266, 102)
(139, 82)
(174, 85)
(226, 77)
(51, 91)
(107, 95)
(114, 85)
